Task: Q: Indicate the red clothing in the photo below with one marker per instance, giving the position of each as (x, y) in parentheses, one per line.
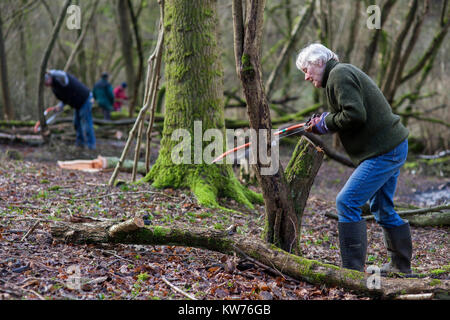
(119, 97)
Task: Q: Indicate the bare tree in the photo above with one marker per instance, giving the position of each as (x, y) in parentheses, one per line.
(140, 53)
(43, 66)
(81, 37)
(7, 107)
(284, 193)
(126, 39)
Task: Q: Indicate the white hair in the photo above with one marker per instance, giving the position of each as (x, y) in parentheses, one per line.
(314, 54)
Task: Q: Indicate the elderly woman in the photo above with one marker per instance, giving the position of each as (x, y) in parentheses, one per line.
(376, 141)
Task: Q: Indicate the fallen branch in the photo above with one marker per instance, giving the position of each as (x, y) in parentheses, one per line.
(434, 216)
(441, 154)
(294, 266)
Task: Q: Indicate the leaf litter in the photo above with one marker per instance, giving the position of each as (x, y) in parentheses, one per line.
(37, 267)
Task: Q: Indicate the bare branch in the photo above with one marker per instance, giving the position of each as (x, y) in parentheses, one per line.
(238, 27)
(305, 16)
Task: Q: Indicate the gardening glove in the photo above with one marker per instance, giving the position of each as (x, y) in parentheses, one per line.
(316, 124)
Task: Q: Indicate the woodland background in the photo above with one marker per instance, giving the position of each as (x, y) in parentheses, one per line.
(111, 45)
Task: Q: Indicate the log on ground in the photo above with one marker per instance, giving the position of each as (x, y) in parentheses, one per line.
(294, 266)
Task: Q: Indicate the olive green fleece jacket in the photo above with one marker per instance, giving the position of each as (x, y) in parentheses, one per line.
(360, 113)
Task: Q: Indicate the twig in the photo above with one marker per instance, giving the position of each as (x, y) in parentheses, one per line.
(115, 255)
(155, 61)
(30, 231)
(178, 289)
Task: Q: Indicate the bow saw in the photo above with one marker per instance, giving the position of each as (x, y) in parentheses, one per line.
(296, 128)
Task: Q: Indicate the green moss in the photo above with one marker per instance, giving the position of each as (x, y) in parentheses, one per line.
(160, 231)
(310, 269)
(430, 162)
(245, 59)
(300, 163)
(247, 67)
(435, 282)
(437, 272)
(411, 165)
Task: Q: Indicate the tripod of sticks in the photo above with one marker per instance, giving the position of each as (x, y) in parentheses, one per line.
(149, 104)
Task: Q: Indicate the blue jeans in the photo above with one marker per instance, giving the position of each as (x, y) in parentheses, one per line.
(374, 180)
(84, 126)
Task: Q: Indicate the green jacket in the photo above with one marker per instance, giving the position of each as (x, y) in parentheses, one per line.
(360, 113)
(103, 94)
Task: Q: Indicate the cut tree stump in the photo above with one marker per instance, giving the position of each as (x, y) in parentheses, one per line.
(133, 231)
(301, 172)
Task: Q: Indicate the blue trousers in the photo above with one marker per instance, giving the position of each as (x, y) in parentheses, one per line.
(374, 180)
(84, 126)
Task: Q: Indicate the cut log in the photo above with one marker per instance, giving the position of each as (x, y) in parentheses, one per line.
(294, 266)
(101, 163)
(126, 226)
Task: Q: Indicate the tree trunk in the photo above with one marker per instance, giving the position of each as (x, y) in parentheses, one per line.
(353, 33)
(138, 79)
(7, 107)
(133, 231)
(395, 53)
(194, 92)
(282, 215)
(40, 94)
(285, 53)
(23, 56)
(371, 49)
(126, 39)
(300, 173)
(80, 39)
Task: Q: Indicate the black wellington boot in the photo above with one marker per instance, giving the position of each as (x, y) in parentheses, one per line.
(399, 246)
(353, 244)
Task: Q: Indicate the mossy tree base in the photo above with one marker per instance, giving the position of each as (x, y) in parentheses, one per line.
(194, 95)
(312, 271)
(207, 182)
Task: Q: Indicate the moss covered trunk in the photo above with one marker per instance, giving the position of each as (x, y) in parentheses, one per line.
(194, 92)
(301, 172)
(282, 222)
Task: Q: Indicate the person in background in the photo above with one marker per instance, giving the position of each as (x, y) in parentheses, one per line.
(104, 95)
(69, 90)
(376, 141)
(120, 95)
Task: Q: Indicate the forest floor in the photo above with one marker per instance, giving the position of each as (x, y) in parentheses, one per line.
(34, 192)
